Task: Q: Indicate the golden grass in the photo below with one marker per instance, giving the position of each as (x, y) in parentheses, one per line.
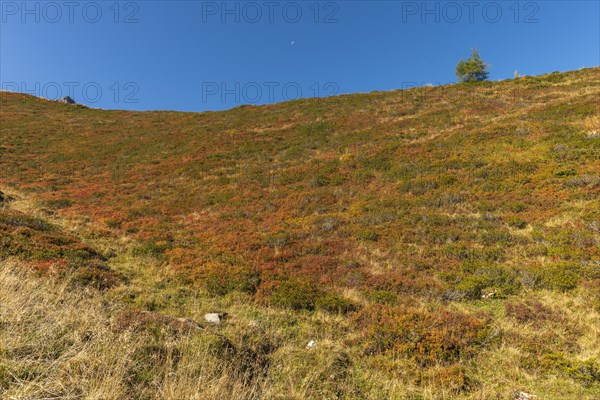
(591, 126)
(59, 343)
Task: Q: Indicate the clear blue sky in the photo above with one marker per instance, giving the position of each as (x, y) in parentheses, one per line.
(197, 55)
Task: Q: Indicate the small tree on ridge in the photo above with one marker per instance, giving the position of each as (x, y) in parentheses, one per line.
(474, 69)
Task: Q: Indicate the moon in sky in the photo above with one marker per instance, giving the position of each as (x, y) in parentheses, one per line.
(293, 41)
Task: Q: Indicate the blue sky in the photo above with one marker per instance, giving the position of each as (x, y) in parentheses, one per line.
(206, 55)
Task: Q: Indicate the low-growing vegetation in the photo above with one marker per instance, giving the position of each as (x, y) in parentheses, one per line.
(433, 243)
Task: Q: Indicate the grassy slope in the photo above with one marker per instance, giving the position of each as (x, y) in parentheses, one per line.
(373, 223)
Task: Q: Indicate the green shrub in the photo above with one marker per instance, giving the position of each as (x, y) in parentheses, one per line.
(566, 172)
(418, 187)
(561, 277)
(472, 254)
(294, 294)
(317, 128)
(219, 280)
(277, 239)
(474, 280)
(516, 222)
(516, 206)
(149, 249)
(379, 162)
(57, 204)
(95, 277)
(19, 220)
(297, 294)
(368, 235)
(585, 372)
(112, 223)
(382, 297)
(334, 303)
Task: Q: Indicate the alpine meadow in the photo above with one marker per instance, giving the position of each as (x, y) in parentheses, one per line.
(430, 243)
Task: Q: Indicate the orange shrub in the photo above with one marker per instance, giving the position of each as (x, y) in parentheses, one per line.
(428, 337)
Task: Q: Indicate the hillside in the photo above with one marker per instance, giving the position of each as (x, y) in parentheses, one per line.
(438, 242)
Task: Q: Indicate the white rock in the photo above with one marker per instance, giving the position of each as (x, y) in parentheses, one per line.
(518, 395)
(311, 345)
(214, 318)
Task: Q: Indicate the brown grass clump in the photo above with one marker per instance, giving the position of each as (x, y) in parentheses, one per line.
(532, 311)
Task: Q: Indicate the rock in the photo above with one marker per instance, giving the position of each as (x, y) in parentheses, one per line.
(488, 295)
(67, 100)
(518, 395)
(311, 345)
(214, 318)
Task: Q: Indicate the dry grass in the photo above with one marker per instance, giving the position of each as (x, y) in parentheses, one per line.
(591, 126)
(59, 343)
